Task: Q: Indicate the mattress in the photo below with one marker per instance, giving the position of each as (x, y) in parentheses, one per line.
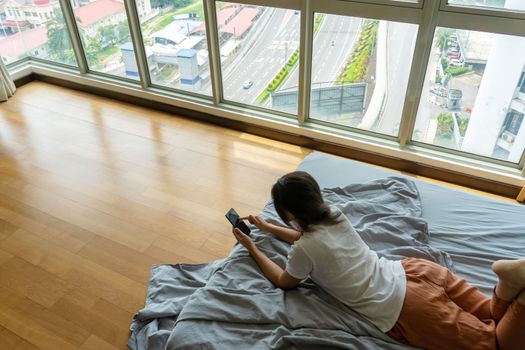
(475, 230)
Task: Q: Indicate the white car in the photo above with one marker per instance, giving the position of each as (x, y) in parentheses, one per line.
(456, 63)
(247, 84)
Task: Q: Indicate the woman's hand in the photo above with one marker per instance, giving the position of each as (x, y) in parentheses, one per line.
(259, 222)
(243, 239)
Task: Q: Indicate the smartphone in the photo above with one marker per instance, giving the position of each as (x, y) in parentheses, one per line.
(233, 218)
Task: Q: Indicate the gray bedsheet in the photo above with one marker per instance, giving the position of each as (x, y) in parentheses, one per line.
(229, 304)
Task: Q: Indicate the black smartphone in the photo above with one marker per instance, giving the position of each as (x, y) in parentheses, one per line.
(233, 218)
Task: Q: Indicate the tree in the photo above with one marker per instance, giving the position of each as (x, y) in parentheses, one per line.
(108, 35)
(442, 38)
(123, 31)
(93, 50)
(59, 46)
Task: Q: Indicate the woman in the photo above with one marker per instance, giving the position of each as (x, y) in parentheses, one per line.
(414, 301)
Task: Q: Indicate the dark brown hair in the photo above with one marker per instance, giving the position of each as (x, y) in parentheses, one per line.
(299, 194)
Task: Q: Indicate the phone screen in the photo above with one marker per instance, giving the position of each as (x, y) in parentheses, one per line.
(232, 217)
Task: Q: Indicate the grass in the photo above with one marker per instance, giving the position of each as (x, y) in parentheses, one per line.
(107, 53)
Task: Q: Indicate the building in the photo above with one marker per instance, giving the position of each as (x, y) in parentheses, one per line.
(30, 42)
(99, 13)
(25, 14)
(495, 126)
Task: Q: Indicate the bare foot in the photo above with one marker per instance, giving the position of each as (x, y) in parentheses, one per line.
(511, 275)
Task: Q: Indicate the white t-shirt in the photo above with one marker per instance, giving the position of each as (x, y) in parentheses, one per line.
(337, 259)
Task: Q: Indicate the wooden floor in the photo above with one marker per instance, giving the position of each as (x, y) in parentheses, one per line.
(93, 191)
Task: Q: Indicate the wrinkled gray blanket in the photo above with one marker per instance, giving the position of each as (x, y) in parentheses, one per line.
(229, 304)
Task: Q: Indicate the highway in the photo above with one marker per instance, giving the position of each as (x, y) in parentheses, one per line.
(327, 59)
(263, 61)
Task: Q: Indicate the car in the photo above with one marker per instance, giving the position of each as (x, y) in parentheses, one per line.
(452, 56)
(438, 90)
(247, 84)
(452, 51)
(456, 63)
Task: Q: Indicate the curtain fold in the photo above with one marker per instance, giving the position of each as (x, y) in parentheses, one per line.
(7, 86)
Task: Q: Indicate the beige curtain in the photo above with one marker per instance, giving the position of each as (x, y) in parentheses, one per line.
(7, 86)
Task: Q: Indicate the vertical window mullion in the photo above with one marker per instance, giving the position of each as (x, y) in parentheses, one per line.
(74, 35)
(210, 18)
(138, 43)
(305, 61)
(416, 80)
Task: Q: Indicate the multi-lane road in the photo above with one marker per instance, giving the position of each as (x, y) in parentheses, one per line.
(333, 44)
(261, 63)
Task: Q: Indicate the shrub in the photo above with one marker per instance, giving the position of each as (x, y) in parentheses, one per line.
(455, 71)
(445, 127)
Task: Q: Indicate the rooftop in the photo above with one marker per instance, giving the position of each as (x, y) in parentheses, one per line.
(18, 44)
(97, 10)
(240, 23)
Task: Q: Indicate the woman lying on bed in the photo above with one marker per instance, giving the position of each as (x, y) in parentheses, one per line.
(415, 301)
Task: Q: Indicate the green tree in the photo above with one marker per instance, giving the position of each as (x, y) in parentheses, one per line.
(442, 38)
(59, 46)
(93, 50)
(108, 35)
(123, 31)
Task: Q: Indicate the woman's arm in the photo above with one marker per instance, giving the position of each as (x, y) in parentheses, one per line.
(279, 277)
(283, 233)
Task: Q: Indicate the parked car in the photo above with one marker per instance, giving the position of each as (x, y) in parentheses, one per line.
(439, 90)
(247, 84)
(452, 50)
(456, 63)
(452, 56)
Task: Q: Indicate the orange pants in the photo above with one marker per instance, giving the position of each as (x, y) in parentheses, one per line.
(441, 311)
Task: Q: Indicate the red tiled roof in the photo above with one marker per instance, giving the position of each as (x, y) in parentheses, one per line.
(240, 23)
(10, 23)
(97, 10)
(19, 43)
(222, 16)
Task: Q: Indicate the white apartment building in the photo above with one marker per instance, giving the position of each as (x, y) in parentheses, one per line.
(496, 127)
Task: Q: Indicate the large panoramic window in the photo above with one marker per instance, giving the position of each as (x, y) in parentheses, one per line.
(36, 29)
(105, 35)
(471, 99)
(360, 71)
(259, 49)
(175, 42)
(498, 4)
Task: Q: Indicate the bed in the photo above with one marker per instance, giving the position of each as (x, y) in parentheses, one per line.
(229, 304)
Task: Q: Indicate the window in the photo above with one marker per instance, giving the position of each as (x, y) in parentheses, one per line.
(360, 71)
(469, 90)
(259, 48)
(50, 41)
(498, 4)
(106, 38)
(176, 45)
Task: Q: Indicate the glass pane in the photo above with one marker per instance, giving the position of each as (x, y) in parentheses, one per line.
(518, 5)
(472, 99)
(176, 44)
(34, 28)
(104, 31)
(360, 71)
(259, 55)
